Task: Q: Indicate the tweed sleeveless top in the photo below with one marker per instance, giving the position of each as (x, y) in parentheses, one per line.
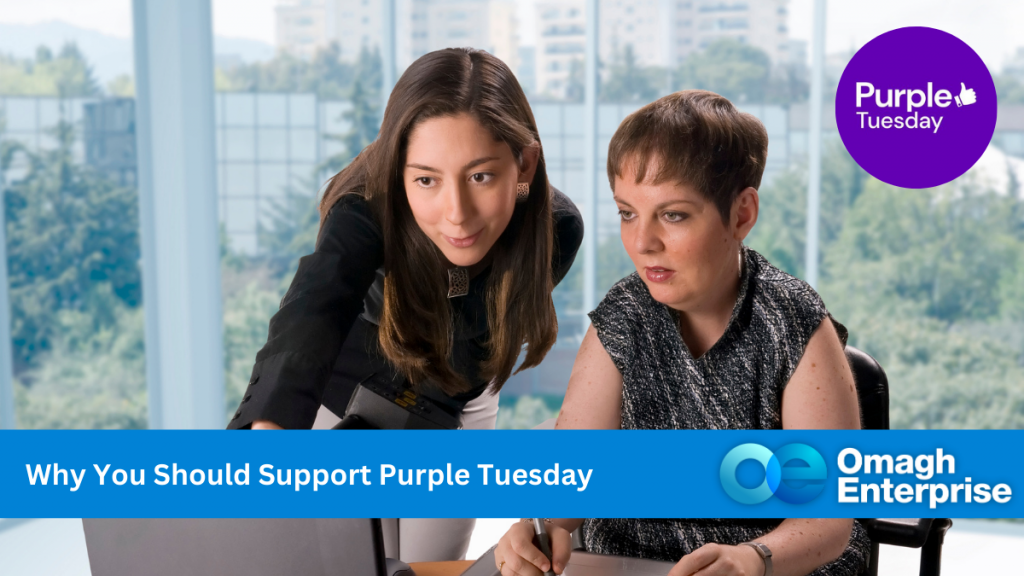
(736, 384)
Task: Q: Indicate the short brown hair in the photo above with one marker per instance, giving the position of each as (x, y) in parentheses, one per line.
(693, 137)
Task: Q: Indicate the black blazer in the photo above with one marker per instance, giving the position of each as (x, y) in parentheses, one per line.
(323, 340)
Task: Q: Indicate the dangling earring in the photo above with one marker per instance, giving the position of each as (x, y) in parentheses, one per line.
(522, 192)
(739, 261)
(458, 282)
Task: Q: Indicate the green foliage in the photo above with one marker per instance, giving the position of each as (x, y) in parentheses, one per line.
(295, 220)
(613, 263)
(294, 223)
(122, 86)
(67, 75)
(93, 377)
(326, 74)
(629, 82)
(364, 116)
(741, 73)
(782, 223)
(735, 70)
(247, 312)
(1009, 89)
(923, 278)
(1011, 287)
(939, 253)
(577, 88)
(71, 235)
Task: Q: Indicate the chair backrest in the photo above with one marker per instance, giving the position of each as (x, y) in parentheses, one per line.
(872, 389)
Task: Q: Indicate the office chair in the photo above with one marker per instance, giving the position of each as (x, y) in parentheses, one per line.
(924, 533)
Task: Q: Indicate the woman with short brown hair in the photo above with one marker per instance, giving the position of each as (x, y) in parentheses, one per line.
(706, 334)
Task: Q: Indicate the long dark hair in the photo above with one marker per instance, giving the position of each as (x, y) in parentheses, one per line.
(416, 327)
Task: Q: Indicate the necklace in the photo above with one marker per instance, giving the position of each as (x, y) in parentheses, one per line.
(458, 281)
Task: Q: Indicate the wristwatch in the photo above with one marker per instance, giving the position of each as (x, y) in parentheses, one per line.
(765, 553)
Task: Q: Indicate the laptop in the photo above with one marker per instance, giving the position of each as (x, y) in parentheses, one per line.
(585, 564)
(235, 547)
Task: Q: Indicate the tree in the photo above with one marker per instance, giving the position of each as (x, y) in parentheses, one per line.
(72, 234)
(575, 92)
(939, 253)
(781, 226)
(629, 82)
(738, 71)
(295, 220)
(326, 74)
(67, 75)
(294, 223)
(364, 116)
(1009, 89)
(927, 282)
(92, 377)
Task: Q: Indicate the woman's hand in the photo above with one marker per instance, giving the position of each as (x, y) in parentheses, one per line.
(265, 425)
(720, 560)
(517, 556)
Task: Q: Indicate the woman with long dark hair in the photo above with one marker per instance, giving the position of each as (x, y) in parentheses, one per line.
(438, 249)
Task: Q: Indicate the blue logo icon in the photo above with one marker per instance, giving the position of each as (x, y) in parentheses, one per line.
(783, 477)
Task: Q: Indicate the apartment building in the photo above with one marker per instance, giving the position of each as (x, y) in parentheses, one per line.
(421, 26)
(661, 32)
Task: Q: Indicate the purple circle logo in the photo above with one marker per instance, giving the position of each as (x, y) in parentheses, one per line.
(916, 107)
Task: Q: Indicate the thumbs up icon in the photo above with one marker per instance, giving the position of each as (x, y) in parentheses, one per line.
(967, 96)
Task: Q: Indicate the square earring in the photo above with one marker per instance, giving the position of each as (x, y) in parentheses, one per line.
(522, 192)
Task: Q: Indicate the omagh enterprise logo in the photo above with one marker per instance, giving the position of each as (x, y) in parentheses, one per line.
(795, 473)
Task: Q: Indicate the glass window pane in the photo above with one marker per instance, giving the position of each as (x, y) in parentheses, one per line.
(218, 109)
(273, 179)
(222, 180)
(75, 112)
(552, 149)
(333, 122)
(240, 214)
(775, 121)
(50, 113)
(575, 148)
(218, 135)
(303, 178)
(244, 243)
(607, 119)
(240, 179)
(239, 144)
(25, 139)
(240, 109)
(21, 114)
(302, 110)
(573, 122)
(557, 179)
(330, 147)
(272, 109)
(303, 145)
(549, 118)
(48, 141)
(267, 207)
(273, 144)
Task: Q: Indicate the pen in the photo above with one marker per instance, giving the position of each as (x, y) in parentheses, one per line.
(545, 543)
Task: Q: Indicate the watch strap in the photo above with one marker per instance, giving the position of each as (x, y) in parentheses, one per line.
(765, 553)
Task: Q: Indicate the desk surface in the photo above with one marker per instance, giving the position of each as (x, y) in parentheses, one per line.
(440, 568)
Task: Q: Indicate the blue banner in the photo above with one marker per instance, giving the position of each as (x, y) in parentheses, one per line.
(647, 474)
